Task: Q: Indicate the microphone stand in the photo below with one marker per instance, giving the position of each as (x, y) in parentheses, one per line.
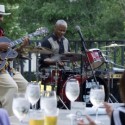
(84, 50)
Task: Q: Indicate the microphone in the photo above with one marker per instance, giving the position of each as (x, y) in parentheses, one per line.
(78, 29)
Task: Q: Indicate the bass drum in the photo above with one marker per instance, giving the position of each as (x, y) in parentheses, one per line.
(85, 83)
(88, 83)
(61, 90)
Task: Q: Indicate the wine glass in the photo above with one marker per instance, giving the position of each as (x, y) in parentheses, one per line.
(97, 96)
(20, 106)
(72, 91)
(33, 93)
(48, 101)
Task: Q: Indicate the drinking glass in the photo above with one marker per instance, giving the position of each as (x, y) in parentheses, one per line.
(97, 96)
(20, 106)
(48, 101)
(51, 118)
(33, 93)
(36, 117)
(72, 91)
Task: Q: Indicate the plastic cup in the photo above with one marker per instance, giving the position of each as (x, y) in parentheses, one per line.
(36, 117)
(51, 117)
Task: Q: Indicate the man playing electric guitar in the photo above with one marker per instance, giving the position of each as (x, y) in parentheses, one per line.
(9, 84)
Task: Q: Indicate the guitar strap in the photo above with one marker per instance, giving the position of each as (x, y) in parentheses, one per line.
(1, 32)
(7, 67)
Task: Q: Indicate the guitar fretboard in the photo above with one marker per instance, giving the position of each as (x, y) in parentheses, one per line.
(38, 32)
(19, 41)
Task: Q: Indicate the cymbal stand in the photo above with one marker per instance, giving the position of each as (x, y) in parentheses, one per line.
(37, 70)
(43, 76)
(55, 77)
(110, 75)
(55, 86)
(84, 51)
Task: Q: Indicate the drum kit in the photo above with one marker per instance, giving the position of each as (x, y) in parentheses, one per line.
(57, 77)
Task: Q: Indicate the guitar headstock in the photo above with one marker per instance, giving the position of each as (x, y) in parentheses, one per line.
(41, 31)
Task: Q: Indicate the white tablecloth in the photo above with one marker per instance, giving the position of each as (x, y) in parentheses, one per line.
(64, 120)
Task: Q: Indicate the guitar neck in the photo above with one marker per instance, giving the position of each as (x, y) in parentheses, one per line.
(20, 40)
(40, 31)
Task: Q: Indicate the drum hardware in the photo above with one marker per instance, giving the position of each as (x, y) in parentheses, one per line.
(109, 67)
(54, 78)
(114, 76)
(84, 51)
(37, 49)
(96, 58)
(105, 55)
(71, 56)
(43, 76)
(55, 85)
(62, 92)
(112, 63)
(111, 74)
(88, 82)
(121, 70)
(113, 45)
(23, 57)
(63, 102)
(105, 51)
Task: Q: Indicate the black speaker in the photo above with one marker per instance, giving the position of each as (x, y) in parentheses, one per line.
(113, 86)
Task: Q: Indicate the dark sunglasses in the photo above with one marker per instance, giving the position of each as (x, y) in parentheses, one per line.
(1, 15)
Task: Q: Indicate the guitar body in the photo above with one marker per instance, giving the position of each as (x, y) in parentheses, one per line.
(5, 39)
(12, 54)
(9, 54)
(2, 64)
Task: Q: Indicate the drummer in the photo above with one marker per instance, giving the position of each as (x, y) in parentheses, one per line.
(57, 43)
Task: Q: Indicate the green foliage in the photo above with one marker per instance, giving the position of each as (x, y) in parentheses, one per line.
(98, 19)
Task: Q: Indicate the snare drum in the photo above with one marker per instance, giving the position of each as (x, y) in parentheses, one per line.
(96, 59)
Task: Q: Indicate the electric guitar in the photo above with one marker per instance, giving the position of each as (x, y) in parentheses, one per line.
(10, 53)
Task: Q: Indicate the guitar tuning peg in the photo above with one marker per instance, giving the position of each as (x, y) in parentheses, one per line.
(39, 28)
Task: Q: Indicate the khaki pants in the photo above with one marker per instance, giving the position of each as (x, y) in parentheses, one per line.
(9, 86)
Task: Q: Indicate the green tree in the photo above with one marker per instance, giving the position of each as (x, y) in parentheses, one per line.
(98, 19)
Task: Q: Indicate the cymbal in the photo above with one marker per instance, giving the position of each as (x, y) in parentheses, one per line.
(104, 55)
(113, 45)
(23, 57)
(37, 49)
(118, 69)
(71, 56)
(113, 63)
(105, 51)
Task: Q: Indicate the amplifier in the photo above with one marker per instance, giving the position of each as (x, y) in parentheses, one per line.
(112, 80)
(114, 76)
(113, 87)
